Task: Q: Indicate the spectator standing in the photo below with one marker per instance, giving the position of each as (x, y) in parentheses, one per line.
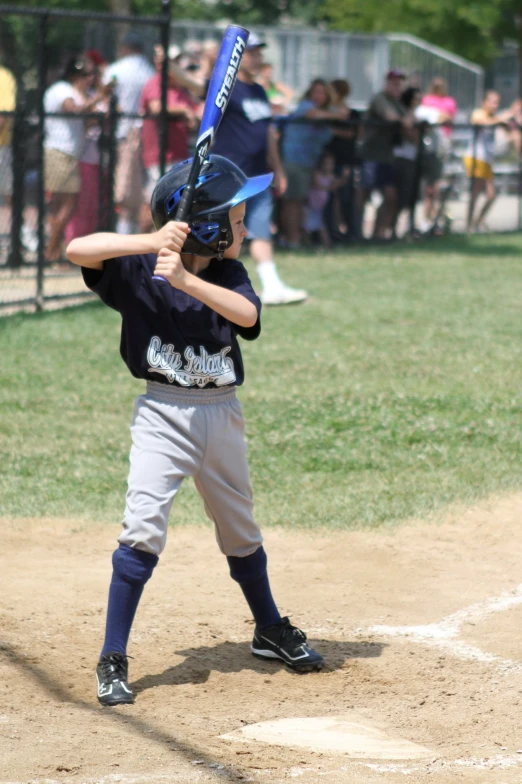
(64, 146)
(343, 147)
(324, 186)
(436, 100)
(182, 110)
(478, 160)
(279, 94)
(7, 104)
(247, 137)
(342, 142)
(379, 172)
(85, 218)
(406, 153)
(130, 74)
(302, 146)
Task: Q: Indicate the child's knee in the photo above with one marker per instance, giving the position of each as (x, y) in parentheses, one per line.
(132, 565)
(251, 567)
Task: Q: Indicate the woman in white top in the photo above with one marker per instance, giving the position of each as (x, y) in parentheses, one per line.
(85, 218)
(64, 145)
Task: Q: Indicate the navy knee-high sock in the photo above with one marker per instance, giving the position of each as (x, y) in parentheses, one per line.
(251, 574)
(131, 570)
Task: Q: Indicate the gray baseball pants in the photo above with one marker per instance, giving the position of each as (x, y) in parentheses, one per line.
(189, 432)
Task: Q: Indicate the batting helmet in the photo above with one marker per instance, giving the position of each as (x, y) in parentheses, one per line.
(220, 186)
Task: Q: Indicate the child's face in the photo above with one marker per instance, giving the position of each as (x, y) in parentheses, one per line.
(236, 216)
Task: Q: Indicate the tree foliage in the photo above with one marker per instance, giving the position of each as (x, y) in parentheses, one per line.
(471, 28)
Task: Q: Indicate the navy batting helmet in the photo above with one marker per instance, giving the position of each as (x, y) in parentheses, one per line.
(220, 186)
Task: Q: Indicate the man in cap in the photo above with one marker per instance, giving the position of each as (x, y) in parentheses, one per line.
(247, 137)
(129, 74)
(378, 169)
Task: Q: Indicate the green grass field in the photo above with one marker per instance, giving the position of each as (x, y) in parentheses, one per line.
(395, 390)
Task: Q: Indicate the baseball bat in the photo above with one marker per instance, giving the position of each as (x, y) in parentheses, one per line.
(220, 88)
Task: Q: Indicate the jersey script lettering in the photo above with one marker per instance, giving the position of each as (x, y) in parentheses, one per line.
(198, 370)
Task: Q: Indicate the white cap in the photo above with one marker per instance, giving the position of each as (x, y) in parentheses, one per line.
(174, 51)
(254, 42)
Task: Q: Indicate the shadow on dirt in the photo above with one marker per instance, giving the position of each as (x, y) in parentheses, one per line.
(230, 657)
(122, 717)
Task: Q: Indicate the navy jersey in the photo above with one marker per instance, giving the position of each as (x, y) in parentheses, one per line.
(169, 336)
(242, 136)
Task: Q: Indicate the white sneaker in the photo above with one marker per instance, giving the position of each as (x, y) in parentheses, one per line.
(29, 239)
(283, 295)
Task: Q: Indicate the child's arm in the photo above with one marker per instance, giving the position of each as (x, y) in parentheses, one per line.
(93, 250)
(229, 304)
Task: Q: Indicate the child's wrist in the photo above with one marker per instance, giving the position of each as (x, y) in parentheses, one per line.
(186, 282)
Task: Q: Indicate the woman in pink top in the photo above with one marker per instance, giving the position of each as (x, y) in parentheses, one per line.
(183, 110)
(437, 98)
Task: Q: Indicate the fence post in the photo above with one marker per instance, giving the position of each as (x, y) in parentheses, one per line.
(520, 186)
(16, 258)
(42, 85)
(163, 118)
(476, 131)
(113, 154)
(417, 177)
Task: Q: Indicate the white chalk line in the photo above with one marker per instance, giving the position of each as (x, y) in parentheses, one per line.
(497, 762)
(187, 777)
(443, 635)
(113, 778)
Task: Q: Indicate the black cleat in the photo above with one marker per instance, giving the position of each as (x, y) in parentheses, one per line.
(288, 643)
(112, 674)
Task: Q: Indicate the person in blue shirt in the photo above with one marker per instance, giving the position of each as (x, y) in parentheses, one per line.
(247, 137)
(181, 337)
(303, 144)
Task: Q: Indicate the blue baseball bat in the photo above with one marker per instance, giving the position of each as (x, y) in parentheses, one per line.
(220, 88)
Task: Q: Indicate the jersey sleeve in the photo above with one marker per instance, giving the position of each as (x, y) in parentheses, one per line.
(236, 279)
(118, 281)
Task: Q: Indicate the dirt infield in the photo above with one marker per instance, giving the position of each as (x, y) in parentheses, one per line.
(421, 629)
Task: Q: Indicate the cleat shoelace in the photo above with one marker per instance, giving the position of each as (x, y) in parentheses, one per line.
(292, 634)
(114, 668)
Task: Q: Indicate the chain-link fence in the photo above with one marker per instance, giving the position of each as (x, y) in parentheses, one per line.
(83, 141)
(382, 183)
(70, 139)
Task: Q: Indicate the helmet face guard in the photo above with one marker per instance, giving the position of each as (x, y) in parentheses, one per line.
(220, 186)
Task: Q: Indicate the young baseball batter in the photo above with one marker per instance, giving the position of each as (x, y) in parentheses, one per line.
(181, 338)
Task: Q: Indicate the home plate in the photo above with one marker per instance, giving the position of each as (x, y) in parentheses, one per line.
(350, 734)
